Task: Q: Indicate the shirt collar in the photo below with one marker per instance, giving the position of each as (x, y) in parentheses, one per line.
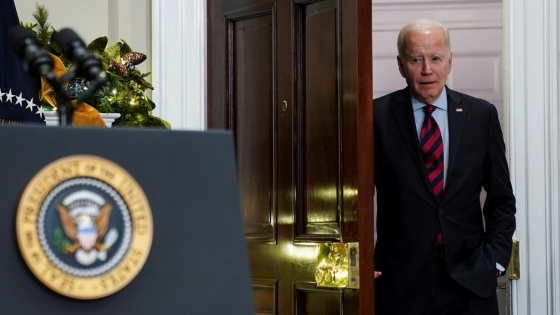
(441, 102)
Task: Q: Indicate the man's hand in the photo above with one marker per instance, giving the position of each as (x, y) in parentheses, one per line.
(377, 274)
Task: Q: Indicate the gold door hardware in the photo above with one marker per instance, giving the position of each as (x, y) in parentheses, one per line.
(284, 105)
(514, 264)
(338, 265)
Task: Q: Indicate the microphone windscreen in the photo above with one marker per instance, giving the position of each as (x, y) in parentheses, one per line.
(65, 39)
(18, 36)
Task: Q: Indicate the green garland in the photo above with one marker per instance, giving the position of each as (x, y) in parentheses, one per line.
(125, 91)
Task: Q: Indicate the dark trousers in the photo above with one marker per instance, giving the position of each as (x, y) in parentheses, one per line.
(447, 297)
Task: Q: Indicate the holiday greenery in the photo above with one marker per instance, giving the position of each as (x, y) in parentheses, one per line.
(125, 91)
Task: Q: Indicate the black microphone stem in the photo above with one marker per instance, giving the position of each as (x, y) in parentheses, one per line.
(65, 111)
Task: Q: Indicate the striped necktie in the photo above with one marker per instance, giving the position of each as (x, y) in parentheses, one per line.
(432, 150)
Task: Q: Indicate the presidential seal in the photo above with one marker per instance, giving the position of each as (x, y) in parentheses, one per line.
(84, 227)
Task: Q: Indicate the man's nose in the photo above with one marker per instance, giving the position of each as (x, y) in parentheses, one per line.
(426, 68)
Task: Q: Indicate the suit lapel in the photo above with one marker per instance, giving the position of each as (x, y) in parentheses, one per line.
(456, 115)
(404, 115)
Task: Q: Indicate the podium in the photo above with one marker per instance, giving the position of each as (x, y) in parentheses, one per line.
(198, 260)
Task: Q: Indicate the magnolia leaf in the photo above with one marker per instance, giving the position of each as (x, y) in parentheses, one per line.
(112, 52)
(152, 104)
(158, 122)
(98, 46)
(146, 102)
(138, 114)
(125, 48)
(130, 123)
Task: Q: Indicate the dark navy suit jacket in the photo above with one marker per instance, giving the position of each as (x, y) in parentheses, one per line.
(409, 217)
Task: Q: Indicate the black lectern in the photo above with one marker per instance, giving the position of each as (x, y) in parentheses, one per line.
(198, 258)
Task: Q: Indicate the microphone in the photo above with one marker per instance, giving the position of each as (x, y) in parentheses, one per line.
(87, 66)
(27, 47)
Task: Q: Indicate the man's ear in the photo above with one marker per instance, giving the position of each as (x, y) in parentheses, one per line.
(450, 62)
(400, 63)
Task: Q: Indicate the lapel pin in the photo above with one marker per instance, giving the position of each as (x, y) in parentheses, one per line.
(459, 110)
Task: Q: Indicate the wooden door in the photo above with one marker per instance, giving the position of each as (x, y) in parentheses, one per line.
(292, 80)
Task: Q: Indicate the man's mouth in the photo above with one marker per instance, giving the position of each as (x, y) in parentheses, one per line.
(427, 83)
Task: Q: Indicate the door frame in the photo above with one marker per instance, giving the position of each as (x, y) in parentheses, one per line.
(179, 62)
(531, 103)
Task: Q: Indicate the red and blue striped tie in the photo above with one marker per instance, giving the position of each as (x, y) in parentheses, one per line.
(432, 152)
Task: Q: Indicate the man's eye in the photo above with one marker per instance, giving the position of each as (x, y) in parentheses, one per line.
(435, 59)
(415, 60)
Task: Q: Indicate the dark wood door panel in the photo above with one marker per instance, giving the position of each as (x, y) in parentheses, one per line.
(318, 121)
(251, 111)
(312, 300)
(283, 76)
(265, 296)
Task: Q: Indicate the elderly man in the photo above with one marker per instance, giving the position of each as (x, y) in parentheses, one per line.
(437, 251)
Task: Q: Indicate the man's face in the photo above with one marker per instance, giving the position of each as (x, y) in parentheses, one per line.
(425, 64)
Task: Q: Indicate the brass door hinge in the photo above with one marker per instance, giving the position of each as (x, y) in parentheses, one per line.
(514, 264)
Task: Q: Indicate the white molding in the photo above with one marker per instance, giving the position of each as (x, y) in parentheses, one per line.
(553, 89)
(474, 14)
(179, 62)
(531, 100)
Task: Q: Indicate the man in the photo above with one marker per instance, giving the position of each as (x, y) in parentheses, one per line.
(435, 149)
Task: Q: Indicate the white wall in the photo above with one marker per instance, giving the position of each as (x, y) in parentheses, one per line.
(131, 20)
(89, 19)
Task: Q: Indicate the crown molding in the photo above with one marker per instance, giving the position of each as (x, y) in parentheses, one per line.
(453, 14)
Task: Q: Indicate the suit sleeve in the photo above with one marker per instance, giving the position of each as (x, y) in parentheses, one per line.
(499, 208)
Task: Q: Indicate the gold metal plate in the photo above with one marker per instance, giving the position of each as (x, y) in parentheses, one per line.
(84, 227)
(514, 264)
(337, 265)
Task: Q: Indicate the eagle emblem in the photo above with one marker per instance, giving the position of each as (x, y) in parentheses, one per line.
(85, 220)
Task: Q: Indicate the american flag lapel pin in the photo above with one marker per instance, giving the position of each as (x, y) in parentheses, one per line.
(459, 110)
